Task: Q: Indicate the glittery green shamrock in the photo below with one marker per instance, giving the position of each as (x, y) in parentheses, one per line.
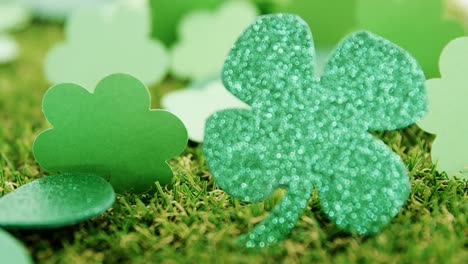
(303, 133)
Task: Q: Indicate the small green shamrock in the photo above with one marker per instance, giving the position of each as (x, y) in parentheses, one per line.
(111, 132)
(303, 133)
(448, 115)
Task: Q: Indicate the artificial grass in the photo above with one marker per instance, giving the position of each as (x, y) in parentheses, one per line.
(192, 221)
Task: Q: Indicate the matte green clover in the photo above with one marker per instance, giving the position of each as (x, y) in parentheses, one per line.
(448, 113)
(12, 251)
(107, 40)
(304, 132)
(56, 201)
(331, 20)
(111, 132)
(417, 26)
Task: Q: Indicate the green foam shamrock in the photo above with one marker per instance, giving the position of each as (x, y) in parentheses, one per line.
(304, 132)
(111, 132)
(56, 201)
(330, 20)
(167, 14)
(107, 40)
(416, 25)
(206, 37)
(448, 115)
(12, 251)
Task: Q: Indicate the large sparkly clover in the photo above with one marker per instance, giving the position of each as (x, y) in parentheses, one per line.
(303, 133)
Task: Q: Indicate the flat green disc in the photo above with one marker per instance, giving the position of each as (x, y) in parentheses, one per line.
(12, 251)
(56, 201)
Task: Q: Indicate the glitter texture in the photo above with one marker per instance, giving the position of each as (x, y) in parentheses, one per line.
(303, 133)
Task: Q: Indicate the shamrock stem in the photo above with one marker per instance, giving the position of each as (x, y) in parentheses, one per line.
(282, 218)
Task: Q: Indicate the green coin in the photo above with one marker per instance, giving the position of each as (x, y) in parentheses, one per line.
(56, 201)
(12, 251)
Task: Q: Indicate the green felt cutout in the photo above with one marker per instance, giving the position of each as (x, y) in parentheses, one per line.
(12, 251)
(167, 14)
(418, 26)
(304, 132)
(330, 20)
(206, 37)
(56, 201)
(448, 114)
(107, 40)
(195, 104)
(111, 132)
(13, 16)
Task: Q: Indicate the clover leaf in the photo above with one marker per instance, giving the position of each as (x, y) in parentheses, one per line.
(205, 38)
(12, 251)
(447, 115)
(303, 132)
(104, 41)
(195, 104)
(111, 132)
(417, 26)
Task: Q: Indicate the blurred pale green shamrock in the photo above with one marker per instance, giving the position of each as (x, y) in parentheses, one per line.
(195, 104)
(9, 49)
(330, 20)
(111, 39)
(111, 132)
(12, 251)
(56, 201)
(166, 15)
(303, 132)
(419, 26)
(205, 38)
(13, 16)
(448, 113)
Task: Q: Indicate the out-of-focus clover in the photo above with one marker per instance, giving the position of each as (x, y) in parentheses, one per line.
(448, 115)
(59, 10)
(419, 26)
(205, 38)
(12, 251)
(107, 40)
(303, 132)
(9, 49)
(195, 104)
(111, 132)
